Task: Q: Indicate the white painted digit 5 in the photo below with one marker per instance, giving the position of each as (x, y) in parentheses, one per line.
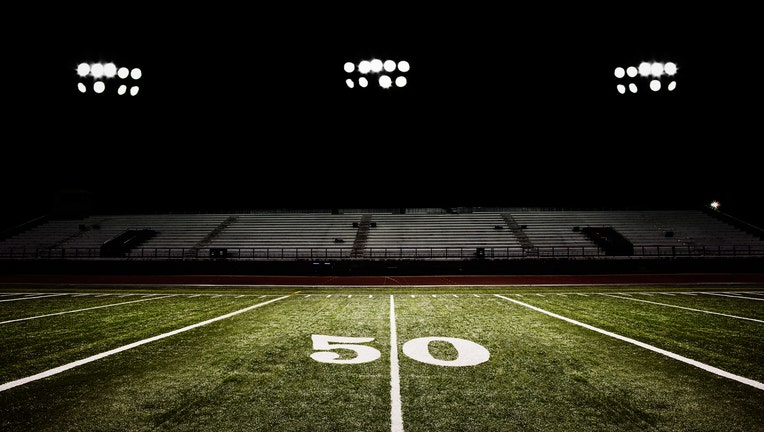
(326, 344)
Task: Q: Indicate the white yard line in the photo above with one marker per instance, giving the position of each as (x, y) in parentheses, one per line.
(396, 412)
(725, 295)
(79, 310)
(72, 365)
(32, 298)
(682, 307)
(674, 356)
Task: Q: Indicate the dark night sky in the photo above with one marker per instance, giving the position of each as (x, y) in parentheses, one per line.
(245, 107)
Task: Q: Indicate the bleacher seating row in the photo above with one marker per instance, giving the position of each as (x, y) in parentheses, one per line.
(376, 234)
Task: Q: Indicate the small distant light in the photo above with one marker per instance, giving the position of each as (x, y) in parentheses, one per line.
(633, 88)
(631, 71)
(403, 66)
(83, 69)
(122, 90)
(621, 88)
(96, 69)
(376, 65)
(99, 87)
(364, 66)
(715, 205)
(620, 72)
(672, 86)
(389, 66)
(136, 73)
(363, 82)
(349, 67)
(133, 90)
(385, 81)
(109, 70)
(350, 83)
(401, 81)
(123, 72)
(670, 68)
(655, 85)
(81, 87)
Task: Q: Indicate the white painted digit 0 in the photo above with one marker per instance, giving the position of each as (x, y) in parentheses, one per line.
(326, 344)
(468, 353)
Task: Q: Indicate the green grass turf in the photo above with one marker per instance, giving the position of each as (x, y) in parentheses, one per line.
(254, 372)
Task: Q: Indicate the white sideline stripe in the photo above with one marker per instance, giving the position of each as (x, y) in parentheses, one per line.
(689, 361)
(681, 307)
(79, 310)
(32, 298)
(72, 365)
(725, 295)
(396, 412)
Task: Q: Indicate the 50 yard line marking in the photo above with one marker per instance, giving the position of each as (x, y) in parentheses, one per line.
(396, 413)
(674, 356)
(72, 365)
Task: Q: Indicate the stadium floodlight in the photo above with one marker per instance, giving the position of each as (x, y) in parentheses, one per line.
(378, 66)
(96, 70)
(109, 70)
(364, 66)
(621, 88)
(101, 72)
(133, 90)
(715, 205)
(654, 71)
(83, 69)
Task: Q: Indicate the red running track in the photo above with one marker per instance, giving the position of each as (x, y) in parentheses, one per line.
(463, 280)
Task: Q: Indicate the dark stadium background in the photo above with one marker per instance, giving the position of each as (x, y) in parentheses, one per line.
(245, 106)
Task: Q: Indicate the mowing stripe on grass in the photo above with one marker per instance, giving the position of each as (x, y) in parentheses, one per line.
(81, 310)
(674, 356)
(734, 296)
(396, 413)
(32, 298)
(681, 307)
(72, 365)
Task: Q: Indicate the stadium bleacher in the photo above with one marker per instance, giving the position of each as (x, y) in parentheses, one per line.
(379, 234)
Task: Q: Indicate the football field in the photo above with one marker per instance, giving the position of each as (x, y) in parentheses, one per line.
(504, 358)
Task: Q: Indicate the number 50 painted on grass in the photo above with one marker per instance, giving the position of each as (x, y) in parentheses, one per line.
(468, 353)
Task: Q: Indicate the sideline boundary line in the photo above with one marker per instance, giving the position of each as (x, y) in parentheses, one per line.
(681, 307)
(708, 368)
(83, 310)
(72, 365)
